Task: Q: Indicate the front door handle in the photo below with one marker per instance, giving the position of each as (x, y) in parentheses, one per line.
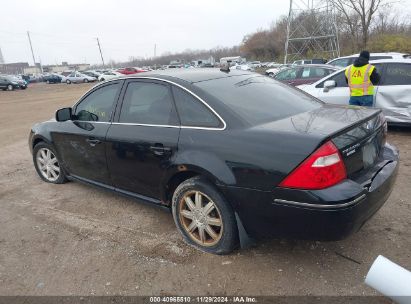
(92, 141)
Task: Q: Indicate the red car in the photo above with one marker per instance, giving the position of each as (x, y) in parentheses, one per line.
(129, 71)
(304, 73)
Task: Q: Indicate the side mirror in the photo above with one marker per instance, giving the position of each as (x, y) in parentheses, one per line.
(64, 114)
(329, 84)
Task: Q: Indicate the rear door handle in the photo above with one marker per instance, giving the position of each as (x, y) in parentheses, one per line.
(92, 141)
(159, 149)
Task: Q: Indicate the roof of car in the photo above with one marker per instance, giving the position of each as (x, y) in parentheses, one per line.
(399, 60)
(193, 75)
(373, 54)
(316, 65)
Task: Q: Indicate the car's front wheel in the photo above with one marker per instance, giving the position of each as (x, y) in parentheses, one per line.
(68, 81)
(85, 80)
(47, 164)
(204, 217)
(10, 87)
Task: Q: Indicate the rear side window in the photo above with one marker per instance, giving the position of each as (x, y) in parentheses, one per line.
(193, 112)
(343, 62)
(148, 103)
(397, 74)
(288, 74)
(259, 99)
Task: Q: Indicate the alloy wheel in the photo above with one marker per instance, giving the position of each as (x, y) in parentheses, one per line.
(48, 164)
(201, 218)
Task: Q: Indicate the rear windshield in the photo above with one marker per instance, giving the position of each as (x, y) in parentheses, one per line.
(259, 99)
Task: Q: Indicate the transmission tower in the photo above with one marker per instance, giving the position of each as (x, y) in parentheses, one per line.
(1, 57)
(311, 30)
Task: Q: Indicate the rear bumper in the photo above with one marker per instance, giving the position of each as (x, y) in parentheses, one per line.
(330, 214)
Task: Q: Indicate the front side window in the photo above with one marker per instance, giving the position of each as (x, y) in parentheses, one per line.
(98, 105)
(193, 112)
(148, 103)
(339, 79)
(398, 74)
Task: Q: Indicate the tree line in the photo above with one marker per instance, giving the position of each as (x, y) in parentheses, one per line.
(376, 25)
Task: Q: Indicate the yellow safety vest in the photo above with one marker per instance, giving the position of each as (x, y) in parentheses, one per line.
(359, 80)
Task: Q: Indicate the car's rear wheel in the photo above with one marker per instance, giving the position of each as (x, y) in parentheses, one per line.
(271, 74)
(48, 81)
(204, 217)
(102, 79)
(68, 81)
(10, 87)
(85, 80)
(47, 164)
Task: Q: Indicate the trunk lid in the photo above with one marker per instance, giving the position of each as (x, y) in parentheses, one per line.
(357, 132)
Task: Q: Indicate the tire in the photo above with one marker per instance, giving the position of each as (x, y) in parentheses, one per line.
(85, 80)
(271, 74)
(68, 81)
(48, 81)
(191, 220)
(41, 150)
(102, 79)
(10, 87)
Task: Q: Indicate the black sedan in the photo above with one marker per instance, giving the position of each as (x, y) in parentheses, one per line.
(234, 155)
(52, 78)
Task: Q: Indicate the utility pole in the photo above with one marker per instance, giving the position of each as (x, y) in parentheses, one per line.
(1, 57)
(101, 54)
(155, 48)
(31, 48)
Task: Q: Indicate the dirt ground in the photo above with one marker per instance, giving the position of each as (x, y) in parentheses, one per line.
(74, 239)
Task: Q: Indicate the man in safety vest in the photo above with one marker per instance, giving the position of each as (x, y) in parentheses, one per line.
(361, 78)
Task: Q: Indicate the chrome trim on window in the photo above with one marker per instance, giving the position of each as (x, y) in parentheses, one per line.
(319, 206)
(166, 126)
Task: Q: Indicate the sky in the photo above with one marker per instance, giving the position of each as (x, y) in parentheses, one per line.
(67, 30)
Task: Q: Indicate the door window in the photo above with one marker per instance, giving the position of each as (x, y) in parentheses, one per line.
(288, 74)
(148, 103)
(397, 74)
(98, 105)
(343, 62)
(318, 72)
(339, 79)
(193, 112)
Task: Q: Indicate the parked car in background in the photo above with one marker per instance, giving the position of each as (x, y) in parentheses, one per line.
(77, 77)
(52, 78)
(130, 71)
(8, 83)
(275, 69)
(254, 64)
(110, 75)
(304, 73)
(232, 155)
(92, 74)
(20, 81)
(243, 67)
(348, 60)
(392, 94)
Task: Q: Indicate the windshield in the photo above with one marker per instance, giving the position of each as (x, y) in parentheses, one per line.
(259, 99)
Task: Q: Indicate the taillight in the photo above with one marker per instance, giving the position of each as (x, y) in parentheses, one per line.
(322, 169)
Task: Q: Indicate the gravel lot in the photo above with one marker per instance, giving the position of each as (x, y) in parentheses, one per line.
(74, 239)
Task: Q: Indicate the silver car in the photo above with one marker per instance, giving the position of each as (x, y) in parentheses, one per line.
(392, 94)
(77, 77)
